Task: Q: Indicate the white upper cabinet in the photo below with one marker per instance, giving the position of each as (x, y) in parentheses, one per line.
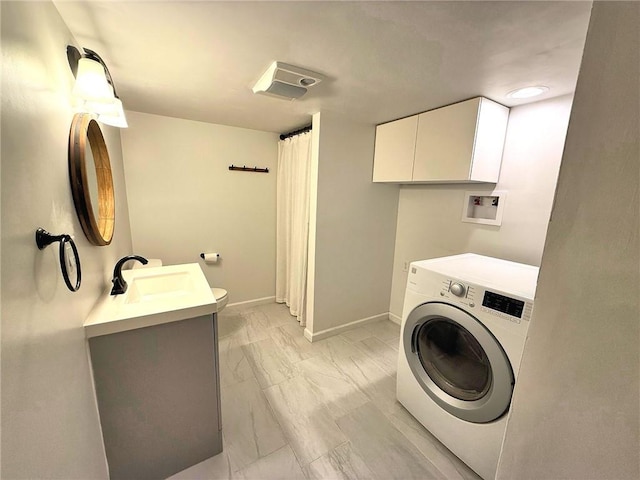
(460, 143)
(395, 150)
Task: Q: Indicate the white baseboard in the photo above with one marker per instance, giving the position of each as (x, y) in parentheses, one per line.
(395, 318)
(330, 332)
(252, 303)
(308, 335)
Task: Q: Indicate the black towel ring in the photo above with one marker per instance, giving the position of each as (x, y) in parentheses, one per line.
(44, 239)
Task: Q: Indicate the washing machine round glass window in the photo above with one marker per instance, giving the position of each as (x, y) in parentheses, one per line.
(454, 359)
(458, 362)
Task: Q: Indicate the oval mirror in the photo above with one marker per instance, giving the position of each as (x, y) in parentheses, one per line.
(91, 179)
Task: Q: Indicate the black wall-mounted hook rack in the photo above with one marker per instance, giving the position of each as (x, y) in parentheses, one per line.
(44, 239)
(244, 168)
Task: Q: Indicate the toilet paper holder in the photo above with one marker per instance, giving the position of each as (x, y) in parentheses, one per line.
(210, 257)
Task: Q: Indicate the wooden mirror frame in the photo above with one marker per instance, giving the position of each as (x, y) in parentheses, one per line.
(99, 231)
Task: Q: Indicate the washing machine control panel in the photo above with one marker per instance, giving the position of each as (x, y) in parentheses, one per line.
(509, 308)
(493, 303)
(455, 290)
(458, 289)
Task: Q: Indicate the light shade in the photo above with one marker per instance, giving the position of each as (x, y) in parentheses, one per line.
(115, 117)
(94, 91)
(95, 107)
(91, 82)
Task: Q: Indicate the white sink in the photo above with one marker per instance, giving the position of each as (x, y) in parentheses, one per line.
(154, 296)
(156, 287)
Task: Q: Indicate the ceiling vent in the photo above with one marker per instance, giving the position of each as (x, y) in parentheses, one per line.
(282, 80)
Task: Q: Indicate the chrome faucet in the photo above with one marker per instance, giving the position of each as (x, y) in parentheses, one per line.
(119, 285)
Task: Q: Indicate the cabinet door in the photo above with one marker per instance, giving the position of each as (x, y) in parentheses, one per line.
(445, 142)
(490, 137)
(394, 150)
(158, 395)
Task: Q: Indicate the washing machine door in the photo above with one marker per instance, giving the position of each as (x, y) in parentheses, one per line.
(458, 362)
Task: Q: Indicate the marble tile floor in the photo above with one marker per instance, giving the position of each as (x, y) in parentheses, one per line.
(292, 409)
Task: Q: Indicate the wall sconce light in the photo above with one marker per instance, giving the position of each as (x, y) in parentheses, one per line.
(94, 91)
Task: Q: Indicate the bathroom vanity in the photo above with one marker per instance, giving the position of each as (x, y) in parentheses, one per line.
(154, 353)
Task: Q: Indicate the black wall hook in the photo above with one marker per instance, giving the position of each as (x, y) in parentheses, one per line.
(244, 168)
(44, 239)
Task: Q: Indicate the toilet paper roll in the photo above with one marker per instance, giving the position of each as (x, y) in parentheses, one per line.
(211, 257)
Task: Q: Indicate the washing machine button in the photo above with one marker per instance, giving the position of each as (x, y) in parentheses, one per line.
(457, 289)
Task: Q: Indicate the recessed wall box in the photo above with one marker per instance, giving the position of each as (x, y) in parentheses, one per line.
(483, 207)
(282, 80)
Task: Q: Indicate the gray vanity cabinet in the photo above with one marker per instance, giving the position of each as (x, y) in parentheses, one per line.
(158, 397)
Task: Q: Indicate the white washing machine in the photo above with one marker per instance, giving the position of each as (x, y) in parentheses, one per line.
(464, 325)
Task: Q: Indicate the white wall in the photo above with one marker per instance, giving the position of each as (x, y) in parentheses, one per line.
(183, 199)
(429, 216)
(50, 426)
(352, 226)
(575, 410)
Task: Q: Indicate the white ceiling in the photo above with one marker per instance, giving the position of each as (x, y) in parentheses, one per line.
(383, 60)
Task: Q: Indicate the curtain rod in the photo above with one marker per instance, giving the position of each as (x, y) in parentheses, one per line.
(284, 136)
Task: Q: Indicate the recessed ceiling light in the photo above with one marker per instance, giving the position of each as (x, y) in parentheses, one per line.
(528, 92)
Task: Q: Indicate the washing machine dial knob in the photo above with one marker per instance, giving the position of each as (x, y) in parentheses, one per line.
(457, 289)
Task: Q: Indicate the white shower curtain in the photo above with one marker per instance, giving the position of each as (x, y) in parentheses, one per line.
(292, 231)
